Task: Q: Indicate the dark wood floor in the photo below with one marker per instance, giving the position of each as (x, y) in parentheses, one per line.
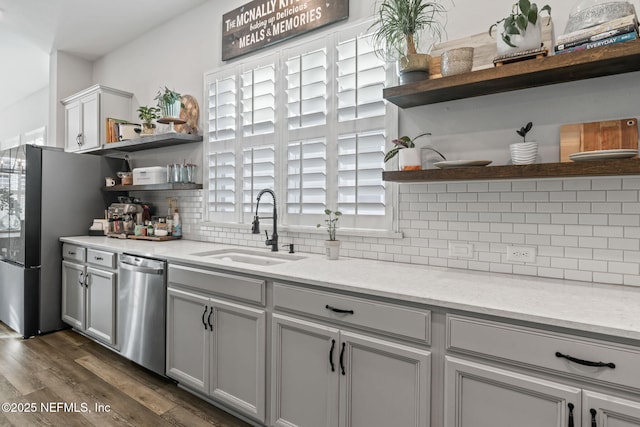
(69, 368)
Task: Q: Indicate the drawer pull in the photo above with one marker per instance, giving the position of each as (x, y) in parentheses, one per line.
(99, 258)
(342, 359)
(333, 346)
(593, 412)
(571, 424)
(209, 319)
(338, 310)
(71, 253)
(586, 362)
(203, 313)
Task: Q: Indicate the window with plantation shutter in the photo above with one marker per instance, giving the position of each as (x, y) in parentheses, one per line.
(220, 153)
(309, 122)
(258, 100)
(307, 177)
(222, 181)
(258, 173)
(222, 108)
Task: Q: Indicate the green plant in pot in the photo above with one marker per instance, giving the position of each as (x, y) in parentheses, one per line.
(524, 153)
(397, 31)
(169, 102)
(521, 29)
(148, 115)
(332, 245)
(410, 156)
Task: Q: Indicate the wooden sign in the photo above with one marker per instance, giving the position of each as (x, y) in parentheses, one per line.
(262, 23)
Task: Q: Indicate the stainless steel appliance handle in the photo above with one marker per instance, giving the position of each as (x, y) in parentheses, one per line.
(145, 270)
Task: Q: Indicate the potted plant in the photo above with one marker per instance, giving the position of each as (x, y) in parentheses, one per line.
(410, 156)
(332, 245)
(397, 31)
(521, 29)
(524, 153)
(148, 115)
(169, 102)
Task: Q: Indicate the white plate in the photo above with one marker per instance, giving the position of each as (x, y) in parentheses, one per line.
(603, 154)
(449, 164)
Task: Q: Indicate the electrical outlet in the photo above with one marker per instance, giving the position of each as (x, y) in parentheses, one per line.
(521, 254)
(461, 250)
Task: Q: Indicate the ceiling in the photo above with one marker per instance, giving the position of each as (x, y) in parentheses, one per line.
(31, 29)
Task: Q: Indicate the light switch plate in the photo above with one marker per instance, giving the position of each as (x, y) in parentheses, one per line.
(461, 250)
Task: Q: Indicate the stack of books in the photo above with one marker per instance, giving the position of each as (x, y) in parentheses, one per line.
(615, 31)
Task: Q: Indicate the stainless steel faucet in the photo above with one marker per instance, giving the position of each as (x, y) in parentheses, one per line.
(255, 226)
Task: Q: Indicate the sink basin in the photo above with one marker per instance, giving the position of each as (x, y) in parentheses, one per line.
(249, 257)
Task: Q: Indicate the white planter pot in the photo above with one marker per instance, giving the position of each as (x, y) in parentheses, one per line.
(524, 153)
(172, 110)
(410, 159)
(531, 39)
(332, 248)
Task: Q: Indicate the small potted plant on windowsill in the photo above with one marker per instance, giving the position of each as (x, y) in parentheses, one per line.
(524, 153)
(148, 115)
(169, 102)
(332, 245)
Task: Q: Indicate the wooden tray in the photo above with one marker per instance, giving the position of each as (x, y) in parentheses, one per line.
(154, 238)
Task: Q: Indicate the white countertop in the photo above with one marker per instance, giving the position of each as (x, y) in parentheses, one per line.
(601, 309)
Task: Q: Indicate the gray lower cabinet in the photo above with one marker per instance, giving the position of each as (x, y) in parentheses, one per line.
(89, 296)
(217, 348)
(479, 395)
(323, 376)
(500, 385)
(603, 410)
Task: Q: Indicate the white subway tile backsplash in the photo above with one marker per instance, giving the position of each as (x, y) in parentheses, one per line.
(582, 229)
(631, 183)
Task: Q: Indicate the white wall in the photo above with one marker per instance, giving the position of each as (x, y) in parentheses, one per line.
(584, 229)
(25, 115)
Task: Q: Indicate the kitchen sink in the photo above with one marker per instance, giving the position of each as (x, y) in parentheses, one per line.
(249, 256)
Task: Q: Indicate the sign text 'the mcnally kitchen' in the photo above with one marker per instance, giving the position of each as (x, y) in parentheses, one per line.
(263, 22)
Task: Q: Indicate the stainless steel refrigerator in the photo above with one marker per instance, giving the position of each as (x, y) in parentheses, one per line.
(45, 194)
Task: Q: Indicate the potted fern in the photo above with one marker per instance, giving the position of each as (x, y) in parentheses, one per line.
(332, 245)
(521, 29)
(398, 28)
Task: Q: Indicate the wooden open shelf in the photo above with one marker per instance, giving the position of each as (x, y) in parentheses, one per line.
(153, 187)
(598, 62)
(538, 170)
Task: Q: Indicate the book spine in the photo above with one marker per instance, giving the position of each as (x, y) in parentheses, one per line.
(611, 40)
(622, 30)
(597, 29)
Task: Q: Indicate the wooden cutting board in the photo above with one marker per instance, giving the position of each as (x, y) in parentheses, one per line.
(605, 135)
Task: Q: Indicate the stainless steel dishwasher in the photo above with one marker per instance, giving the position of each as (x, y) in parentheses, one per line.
(142, 290)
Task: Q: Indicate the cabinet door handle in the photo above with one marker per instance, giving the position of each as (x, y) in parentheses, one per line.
(333, 346)
(81, 281)
(79, 138)
(338, 310)
(203, 313)
(570, 405)
(87, 277)
(342, 359)
(586, 362)
(209, 319)
(593, 412)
